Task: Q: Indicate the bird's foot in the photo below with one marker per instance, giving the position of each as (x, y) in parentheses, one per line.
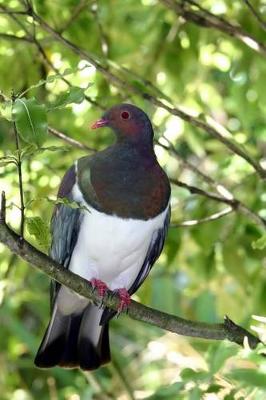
(100, 286)
(124, 300)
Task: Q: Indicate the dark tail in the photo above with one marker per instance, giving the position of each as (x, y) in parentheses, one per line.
(75, 340)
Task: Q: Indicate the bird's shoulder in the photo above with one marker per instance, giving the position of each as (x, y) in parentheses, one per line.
(124, 183)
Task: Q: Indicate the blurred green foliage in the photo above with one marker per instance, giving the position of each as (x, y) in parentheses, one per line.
(207, 270)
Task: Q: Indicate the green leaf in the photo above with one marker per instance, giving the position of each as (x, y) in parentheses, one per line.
(249, 377)
(40, 230)
(31, 120)
(218, 356)
(195, 394)
(72, 204)
(6, 110)
(188, 374)
(167, 392)
(73, 95)
(55, 148)
(259, 244)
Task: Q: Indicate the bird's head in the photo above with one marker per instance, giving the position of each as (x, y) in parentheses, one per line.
(129, 123)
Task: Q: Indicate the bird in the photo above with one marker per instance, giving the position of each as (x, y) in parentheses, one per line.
(112, 239)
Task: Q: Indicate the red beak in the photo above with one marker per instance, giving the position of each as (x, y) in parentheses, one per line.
(99, 123)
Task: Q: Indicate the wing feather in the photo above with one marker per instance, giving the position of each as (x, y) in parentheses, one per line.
(65, 225)
(153, 253)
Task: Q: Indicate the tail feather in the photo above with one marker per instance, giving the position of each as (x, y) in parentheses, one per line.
(75, 340)
(95, 351)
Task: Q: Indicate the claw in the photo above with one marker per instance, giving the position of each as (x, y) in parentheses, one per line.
(100, 286)
(124, 300)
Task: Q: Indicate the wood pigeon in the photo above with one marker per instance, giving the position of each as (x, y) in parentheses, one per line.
(112, 240)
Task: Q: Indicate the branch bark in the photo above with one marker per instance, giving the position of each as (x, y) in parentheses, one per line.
(226, 330)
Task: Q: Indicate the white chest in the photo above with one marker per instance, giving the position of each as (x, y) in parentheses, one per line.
(111, 248)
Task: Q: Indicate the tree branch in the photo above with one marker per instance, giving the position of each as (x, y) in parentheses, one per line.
(3, 208)
(206, 19)
(69, 140)
(225, 196)
(195, 190)
(227, 330)
(197, 122)
(75, 13)
(233, 202)
(14, 37)
(256, 14)
(212, 217)
(221, 189)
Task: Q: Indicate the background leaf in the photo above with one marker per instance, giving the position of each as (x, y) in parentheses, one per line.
(260, 244)
(31, 120)
(40, 230)
(73, 95)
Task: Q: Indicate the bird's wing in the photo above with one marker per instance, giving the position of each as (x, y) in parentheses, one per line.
(154, 251)
(76, 339)
(64, 227)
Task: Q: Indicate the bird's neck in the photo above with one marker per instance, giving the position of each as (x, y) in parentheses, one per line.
(135, 149)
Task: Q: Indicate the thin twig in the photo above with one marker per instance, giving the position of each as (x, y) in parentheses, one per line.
(195, 190)
(3, 208)
(74, 15)
(14, 37)
(103, 36)
(122, 378)
(221, 189)
(70, 140)
(256, 14)
(227, 330)
(20, 179)
(11, 12)
(97, 385)
(212, 217)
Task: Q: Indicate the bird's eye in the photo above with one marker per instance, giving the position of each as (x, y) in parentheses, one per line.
(125, 115)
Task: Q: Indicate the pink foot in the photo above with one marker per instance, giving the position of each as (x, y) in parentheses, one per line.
(100, 286)
(124, 299)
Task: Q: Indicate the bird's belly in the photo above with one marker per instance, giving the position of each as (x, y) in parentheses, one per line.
(109, 246)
